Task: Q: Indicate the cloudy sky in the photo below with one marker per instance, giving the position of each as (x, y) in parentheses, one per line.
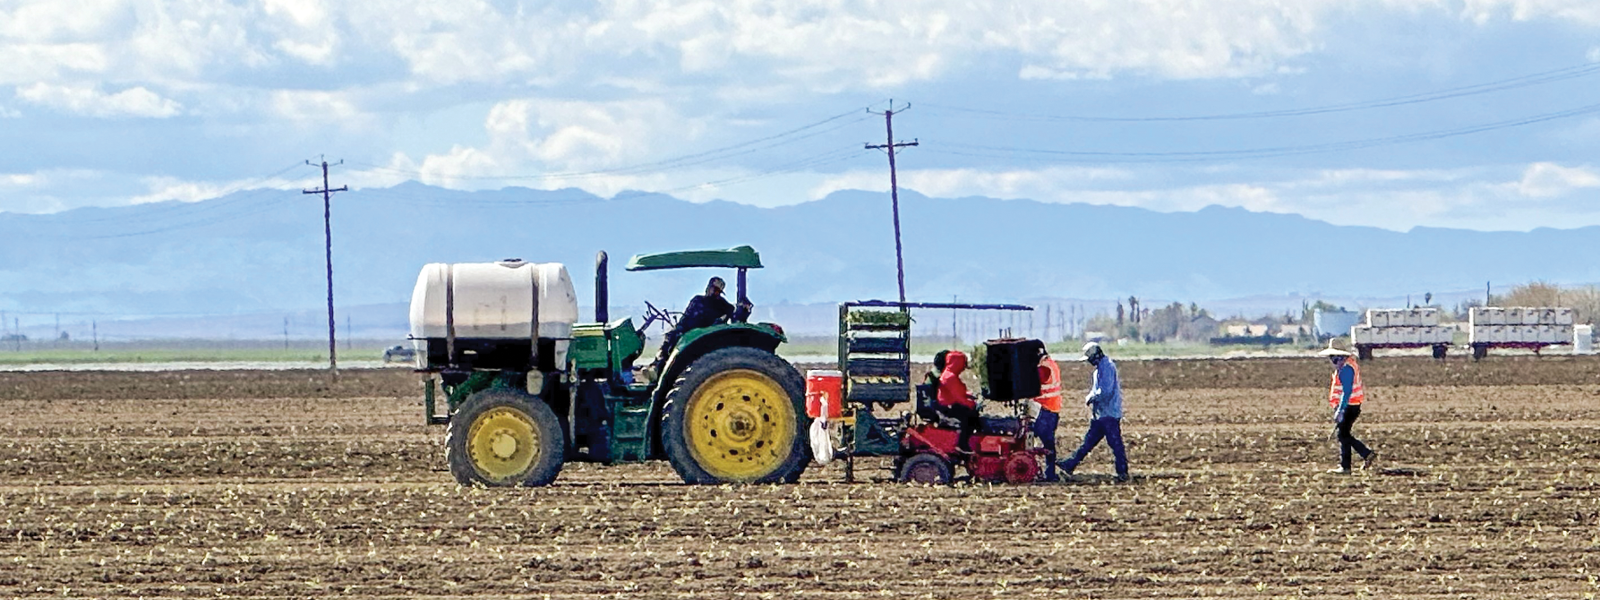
(1392, 113)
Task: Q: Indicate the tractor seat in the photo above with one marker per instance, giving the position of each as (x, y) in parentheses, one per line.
(927, 402)
(1000, 425)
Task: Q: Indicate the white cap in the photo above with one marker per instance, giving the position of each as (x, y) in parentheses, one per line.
(1090, 350)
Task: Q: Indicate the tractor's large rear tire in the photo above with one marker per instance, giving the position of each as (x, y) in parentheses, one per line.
(502, 438)
(737, 415)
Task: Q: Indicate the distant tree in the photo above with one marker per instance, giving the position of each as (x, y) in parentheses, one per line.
(1538, 293)
(1584, 300)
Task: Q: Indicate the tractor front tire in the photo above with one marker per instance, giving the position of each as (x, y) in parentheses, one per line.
(737, 415)
(503, 438)
(925, 468)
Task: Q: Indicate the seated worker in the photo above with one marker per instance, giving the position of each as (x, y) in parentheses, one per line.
(938, 368)
(704, 310)
(954, 401)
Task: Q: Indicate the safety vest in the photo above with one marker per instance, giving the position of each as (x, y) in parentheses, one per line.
(1050, 386)
(1357, 393)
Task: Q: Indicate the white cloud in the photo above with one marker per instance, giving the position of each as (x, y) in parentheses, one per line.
(18, 180)
(884, 45)
(53, 190)
(567, 141)
(315, 108)
(89, 101)
(1476, 198)
(163, 189)
(1052, 183)
(25, 62)
(1583, 12)
(740, 48)
(1548, 180)
(64, 22)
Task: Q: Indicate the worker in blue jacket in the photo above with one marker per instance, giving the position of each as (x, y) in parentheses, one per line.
(1105, 411)
(1345, 396)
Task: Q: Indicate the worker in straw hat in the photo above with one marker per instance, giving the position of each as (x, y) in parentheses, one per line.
(1345, 395)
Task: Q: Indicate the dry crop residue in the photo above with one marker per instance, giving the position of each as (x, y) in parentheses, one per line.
(278, 484)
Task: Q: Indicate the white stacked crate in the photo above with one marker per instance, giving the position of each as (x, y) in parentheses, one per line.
(1401, 328)
(1520, 326)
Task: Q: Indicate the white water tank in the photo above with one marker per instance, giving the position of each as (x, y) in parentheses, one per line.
(1583, 339)
(494, 301)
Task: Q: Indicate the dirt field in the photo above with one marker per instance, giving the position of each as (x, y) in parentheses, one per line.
(207, 484)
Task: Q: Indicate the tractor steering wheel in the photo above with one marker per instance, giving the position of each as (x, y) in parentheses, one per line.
(653, 314)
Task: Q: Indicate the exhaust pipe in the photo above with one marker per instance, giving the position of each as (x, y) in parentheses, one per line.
(602, 295)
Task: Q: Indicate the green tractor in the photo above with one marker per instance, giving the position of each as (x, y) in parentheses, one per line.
(526, 388)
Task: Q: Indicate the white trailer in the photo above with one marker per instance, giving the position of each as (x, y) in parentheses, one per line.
(1533, 328)
(1401, 328)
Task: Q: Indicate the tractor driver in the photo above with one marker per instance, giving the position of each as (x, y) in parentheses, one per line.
(954, 401)
(704, 310)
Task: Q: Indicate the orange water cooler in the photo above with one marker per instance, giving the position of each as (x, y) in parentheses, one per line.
(824, 384)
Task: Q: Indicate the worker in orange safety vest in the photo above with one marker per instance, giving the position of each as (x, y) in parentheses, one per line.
(1049, 401)
(1345, 395)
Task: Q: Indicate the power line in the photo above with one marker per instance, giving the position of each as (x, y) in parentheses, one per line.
(819, 160)
(743, 148)
(1540, 78)
(813, 161)
(980, 150)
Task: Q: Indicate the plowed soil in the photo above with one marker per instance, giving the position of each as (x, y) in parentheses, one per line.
(208, 484)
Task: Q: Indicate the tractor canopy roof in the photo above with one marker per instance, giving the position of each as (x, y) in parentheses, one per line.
(742, 257)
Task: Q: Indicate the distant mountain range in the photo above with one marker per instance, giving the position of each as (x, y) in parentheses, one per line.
(261, 252)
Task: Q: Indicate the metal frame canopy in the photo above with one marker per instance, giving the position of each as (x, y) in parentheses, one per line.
(739, 257)
(934, 305)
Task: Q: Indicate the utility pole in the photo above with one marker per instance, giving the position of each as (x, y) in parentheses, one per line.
(894, 189)
(327, 231)
(94, 328)
(286, 333)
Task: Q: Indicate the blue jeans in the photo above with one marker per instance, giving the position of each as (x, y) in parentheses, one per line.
(1347, 442)
(1108, 429)
(1044, 428)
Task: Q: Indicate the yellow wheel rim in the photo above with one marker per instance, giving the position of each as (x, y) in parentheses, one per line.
(741, 425)
(503, 443)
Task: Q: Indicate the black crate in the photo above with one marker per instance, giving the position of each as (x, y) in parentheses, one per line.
(879, 366)
(886, 393)
(878, 345)
(1013, 368)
